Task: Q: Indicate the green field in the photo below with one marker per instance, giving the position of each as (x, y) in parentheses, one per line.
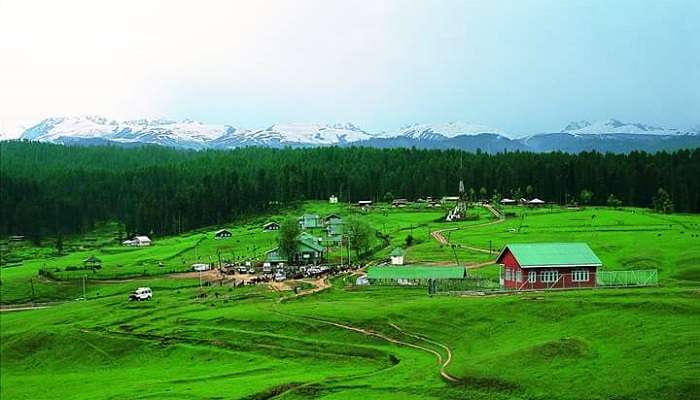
(351, 342)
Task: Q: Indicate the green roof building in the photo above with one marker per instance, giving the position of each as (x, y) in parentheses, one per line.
(414, 273)
(310, 221)
(548, 266)
(308, 251)
(533, 255)
(397, 256)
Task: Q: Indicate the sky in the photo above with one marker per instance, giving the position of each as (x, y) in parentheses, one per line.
(524, 66)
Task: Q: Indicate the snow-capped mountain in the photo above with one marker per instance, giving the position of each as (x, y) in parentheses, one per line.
(613, 126)
(96, 129)
(305, 133)
(441, 131)
(604, 136)
(188, 133)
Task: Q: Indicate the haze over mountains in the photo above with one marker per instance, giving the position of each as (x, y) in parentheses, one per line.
(605, 136)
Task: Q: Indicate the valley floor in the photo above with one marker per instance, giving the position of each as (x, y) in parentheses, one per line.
(341, 341)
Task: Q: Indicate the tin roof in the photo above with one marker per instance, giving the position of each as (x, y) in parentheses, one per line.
(398, 252)
(552, 254)
(415, 272)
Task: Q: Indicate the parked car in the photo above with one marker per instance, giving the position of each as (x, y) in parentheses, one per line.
(279, 277)
(142, 293)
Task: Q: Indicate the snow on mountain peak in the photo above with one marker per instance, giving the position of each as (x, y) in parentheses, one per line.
(311, 133)
(613, 126)
(441, 131)
(187, 133)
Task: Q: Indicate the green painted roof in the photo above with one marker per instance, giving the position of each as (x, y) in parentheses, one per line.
(415, 272)
(398, 252)
(307, 240)
(552, 254)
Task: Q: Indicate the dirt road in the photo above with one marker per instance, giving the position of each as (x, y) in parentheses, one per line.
(440, 237)
(443, 362)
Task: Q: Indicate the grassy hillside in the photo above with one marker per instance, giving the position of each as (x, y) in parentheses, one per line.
(246, 344)
(352, 342)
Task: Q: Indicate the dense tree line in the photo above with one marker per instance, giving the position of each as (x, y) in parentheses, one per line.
(50, 189)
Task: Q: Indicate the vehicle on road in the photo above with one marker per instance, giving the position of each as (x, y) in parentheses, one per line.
(279, 277)
(142, 293)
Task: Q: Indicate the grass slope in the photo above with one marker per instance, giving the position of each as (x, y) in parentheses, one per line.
(245, 343)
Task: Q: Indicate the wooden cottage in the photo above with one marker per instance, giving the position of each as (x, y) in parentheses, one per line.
(397, 256)
(310, 221)
(271, 226)
(92, 262)
(138, 241)
(334, 230)
(548, 266)
(222, 234)
(308, 251)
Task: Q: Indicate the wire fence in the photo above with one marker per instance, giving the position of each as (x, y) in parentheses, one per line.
(645, 277)
(96, 274)
(549, 280)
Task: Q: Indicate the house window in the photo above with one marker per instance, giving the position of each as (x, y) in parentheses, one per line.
(519, 276)
(549, 276)
(532, 276)
(580, 276)
(507, 274)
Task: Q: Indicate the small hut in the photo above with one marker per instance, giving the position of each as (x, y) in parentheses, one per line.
(397, 256)
(271, 226)
(222, 234)
(92, 262)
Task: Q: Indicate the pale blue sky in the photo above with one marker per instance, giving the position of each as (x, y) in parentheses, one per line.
(522, 66)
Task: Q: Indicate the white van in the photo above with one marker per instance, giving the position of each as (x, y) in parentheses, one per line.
(201, 267)
(142, 293)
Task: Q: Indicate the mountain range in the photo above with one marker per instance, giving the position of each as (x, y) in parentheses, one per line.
(604, 136)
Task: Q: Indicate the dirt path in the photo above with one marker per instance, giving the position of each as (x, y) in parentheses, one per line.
(493, 211)
(440, 237)
(367, 332)
(320, 284)
(444, 347)
(23, 308)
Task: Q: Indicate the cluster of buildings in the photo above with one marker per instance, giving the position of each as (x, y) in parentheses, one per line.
(317, 236)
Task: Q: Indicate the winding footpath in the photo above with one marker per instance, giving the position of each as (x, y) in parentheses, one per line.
(443, 363)
(440, 237)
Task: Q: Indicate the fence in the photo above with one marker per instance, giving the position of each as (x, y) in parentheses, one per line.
(97, 274)
(547, 281)
(468, 284)
(646, 277)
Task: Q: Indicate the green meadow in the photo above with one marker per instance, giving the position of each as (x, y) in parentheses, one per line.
(349, 342)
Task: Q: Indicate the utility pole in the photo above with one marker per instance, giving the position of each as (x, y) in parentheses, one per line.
(31, 281)
(341, 252)
(349, 262)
